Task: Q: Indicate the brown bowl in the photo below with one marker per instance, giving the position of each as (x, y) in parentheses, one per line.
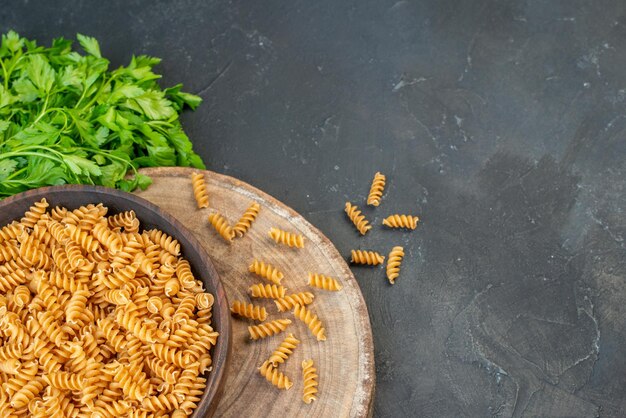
(74, 196)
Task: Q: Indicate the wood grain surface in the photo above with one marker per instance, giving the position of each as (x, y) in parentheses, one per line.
(345, 361)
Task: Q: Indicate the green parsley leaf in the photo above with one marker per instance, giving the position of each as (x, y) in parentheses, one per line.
(66, 118)
(89, 44)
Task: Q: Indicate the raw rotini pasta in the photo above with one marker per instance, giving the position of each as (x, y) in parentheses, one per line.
(275, 377)
(268, 291)
(32, 216)
(311, 320)
(289, 301)
(359, 221)
(199, 190)
(401, 221)
(267, 329)
(284, 350)
(393, 263)
(248, 310)
(166, 242)
(309, 377)
(286, 238)
(267, 271)
(98, 318)
(222, 226)
(323, 282)
(376, 191)
(245, 222)
(126, 220)
(370, 258)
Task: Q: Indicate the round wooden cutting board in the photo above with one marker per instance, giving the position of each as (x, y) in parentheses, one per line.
(345, 361)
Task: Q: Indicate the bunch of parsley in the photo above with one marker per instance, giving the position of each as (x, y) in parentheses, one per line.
(65, 118)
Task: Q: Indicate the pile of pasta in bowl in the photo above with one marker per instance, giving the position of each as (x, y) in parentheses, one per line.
(99, 318)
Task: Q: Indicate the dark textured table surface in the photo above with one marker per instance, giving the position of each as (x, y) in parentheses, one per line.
(500, 123)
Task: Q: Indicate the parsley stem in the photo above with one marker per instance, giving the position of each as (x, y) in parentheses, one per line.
(111, 157)
(15, 173)
(43, 110)
(6, 76)
(32, 154)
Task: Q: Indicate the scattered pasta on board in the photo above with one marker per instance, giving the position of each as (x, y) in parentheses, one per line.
(246, 220)
(309, 377)
(199, 190)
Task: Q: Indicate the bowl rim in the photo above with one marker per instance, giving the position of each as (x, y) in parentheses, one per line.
(222, 350)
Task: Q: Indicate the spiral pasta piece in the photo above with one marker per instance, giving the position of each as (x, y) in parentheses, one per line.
(199, 190)
(165, 371)
(134, 384)
(116, 296)
(275, 377)
(45, 352)
(184, 274)
(248, 310)
(131, 319)
(76, 308)
(284, 350)
(245, 222)
(289, 301)
(221, 226)
(359, 221)
(370, 258)
(107, 238)
(28, 392)
(9, 351)
(74, 255)
(10, 366)
(266, 270)
(162, 402)
(172, 286)
(267, 329)
(193, 396)
(287, 238)
(109, 409)
(401, 221)
(21, 296)
(11, 280)
(9, 251)
(86, 241)
(311, 320)
(52, 329)
(127, 220)
(112, 333)
(11, 231)
(32, 254)
(309, 377)
(34, 214)
(376, 191)
(323, 282)
(166, 242)
(65, 380)
(169, 355)
(204, 300)
(58, 231)
(393, 263)
(57, 213)
(268, 291)
(185, 309)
